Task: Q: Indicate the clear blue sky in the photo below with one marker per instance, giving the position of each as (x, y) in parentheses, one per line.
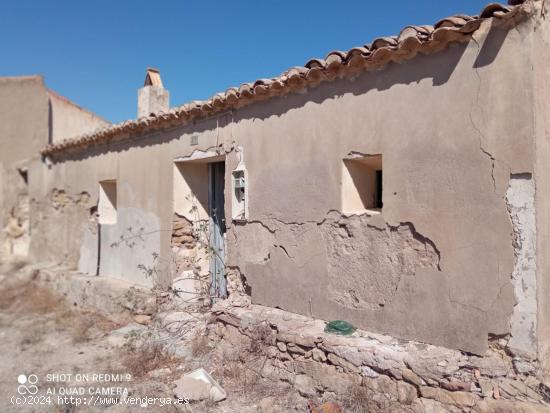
(95, 52)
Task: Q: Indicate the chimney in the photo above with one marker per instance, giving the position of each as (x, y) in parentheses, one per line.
(152, 97)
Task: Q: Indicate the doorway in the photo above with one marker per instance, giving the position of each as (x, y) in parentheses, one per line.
(199, 211)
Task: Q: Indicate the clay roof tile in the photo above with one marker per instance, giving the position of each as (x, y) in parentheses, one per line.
(316, 63)
(337, 63)
(453, 21)
(492, 8)
(389, 41)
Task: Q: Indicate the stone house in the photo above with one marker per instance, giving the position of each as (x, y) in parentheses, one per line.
(31, 116)
(399, 185)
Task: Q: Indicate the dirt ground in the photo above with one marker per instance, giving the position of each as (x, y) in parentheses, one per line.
(46, 340)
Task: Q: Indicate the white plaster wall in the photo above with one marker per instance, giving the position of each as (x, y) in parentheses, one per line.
(521, 202)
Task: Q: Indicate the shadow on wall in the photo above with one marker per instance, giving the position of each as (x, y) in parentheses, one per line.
(491, 46)
(192, 179)
(439, 67)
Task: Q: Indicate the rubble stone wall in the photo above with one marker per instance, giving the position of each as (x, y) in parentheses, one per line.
(396, 375)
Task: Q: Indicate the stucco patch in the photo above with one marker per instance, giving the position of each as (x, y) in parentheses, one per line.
(366, 263)
(250, 243)
(520, 198)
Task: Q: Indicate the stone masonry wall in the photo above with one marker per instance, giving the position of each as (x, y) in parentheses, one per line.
(183, 244)
(394, 375)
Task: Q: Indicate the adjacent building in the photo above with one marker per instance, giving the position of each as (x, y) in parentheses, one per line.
(31, 116)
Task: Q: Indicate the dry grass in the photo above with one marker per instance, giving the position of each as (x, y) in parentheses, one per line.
(81, 331)
(262, 337)
(244, 361)
(199, 345)
(25, 296)
(358, 399)
(28, 297)
(146, 358)
(86, 325)
(239, 374)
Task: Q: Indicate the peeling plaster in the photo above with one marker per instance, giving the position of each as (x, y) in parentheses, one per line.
(366, 263)
(447, 166)
(520, 199)
(199, 155)
(356, 263)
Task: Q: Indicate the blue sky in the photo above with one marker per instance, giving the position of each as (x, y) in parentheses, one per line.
(96, 52)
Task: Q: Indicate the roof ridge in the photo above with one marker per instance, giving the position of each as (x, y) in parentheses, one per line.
(408, 43)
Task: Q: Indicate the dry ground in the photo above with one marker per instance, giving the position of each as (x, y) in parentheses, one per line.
(41, 334)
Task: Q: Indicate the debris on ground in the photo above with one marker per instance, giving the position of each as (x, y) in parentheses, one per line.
(328, 407)
(340, 327)
(199, 385)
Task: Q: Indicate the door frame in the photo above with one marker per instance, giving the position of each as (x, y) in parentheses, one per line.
(216, 230)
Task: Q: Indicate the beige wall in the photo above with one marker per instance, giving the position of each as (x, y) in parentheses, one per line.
(435, 266)
(69, 120)
(30, 116)
(23, 132)
(542, 122)
(23, 117)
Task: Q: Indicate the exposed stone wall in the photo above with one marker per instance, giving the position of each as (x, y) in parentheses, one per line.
(190, 274)
(17, 228)
(182, 233)
(366, 262)
(396, 376)
(15, 211)
(61, 200)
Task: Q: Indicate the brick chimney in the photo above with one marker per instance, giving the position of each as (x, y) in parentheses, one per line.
(152, 97)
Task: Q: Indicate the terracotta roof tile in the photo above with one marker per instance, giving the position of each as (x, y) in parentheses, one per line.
(495, 10)
(410, 41)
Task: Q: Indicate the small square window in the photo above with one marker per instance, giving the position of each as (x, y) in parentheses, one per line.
(107, 207)
(362, 184)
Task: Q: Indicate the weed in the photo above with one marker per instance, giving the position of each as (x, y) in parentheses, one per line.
(147, 357)
(262, 337)
(199, 345)
(358, 399)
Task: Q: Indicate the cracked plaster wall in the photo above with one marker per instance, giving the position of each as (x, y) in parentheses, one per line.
(137, 248)
(131, 248)
(30, 214)
(23, 132)
(436, 266)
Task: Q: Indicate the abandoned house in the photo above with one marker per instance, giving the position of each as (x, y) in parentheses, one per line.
(31, 116)
(399, 185)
